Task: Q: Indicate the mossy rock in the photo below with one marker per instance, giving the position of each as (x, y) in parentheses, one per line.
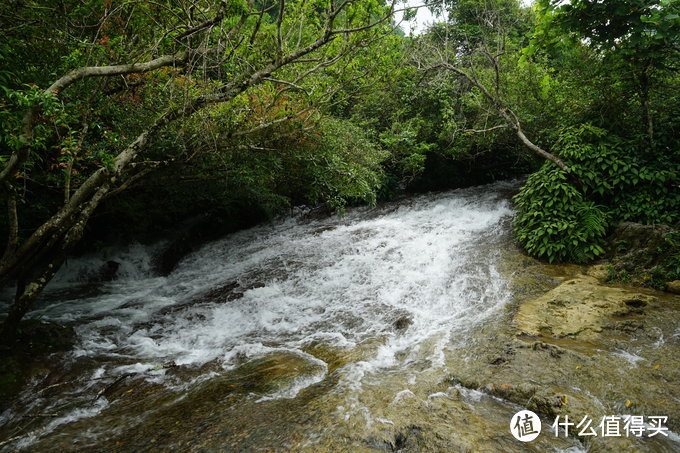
(642, 255)
(634, 245)
(38, 337)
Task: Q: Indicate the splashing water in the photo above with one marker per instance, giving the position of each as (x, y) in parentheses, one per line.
(395, 288)
(430, 263)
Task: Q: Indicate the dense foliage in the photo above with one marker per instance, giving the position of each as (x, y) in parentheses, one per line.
(621, 140)
(272, 143)
(565, 216)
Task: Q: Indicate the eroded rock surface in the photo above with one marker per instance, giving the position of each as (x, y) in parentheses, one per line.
(586, 349)
(581, 308)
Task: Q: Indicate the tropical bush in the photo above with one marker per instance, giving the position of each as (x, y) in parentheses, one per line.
(564, 216)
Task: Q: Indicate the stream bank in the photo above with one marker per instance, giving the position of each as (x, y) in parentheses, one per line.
(583, 348)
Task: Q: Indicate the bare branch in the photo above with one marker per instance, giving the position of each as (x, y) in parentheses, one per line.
(130, 181)
(203, 26)
(106, 71)
(481, 131)
(268, 124)
(508, 115)
(285, 82)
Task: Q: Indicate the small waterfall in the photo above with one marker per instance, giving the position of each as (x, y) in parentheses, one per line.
(429, 262)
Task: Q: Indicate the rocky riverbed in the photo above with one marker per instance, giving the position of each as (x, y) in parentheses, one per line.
(583, 348)
(415, 326)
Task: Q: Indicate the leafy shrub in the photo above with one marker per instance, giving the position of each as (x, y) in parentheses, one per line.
(560, 220)
(554, 221)
(344, 166)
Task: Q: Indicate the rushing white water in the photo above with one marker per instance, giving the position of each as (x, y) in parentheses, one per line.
(411, 277)
(330, 335)
(430, 261)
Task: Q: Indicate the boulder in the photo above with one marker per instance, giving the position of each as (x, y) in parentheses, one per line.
(403, 322)
(636, 246)
(580, 308)
(673, 287)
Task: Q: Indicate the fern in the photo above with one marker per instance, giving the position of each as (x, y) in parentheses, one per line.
(559, 222)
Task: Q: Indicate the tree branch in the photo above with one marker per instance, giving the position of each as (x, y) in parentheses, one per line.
(508, 115)
(285, 82)
(481, 131)
(19, 156)
(106, 71)
(13, 223)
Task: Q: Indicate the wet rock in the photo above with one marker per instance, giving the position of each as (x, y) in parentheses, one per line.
(554, 351)
(673, 287)
(37, 337)
(275, 371)
(227, 292)
(599, 271)
(584, 348)
(500, 360)
(628, 326)
(323, 229)
(636, 301)
(402, 323)
(505, 356)
(578, 308)
(321, 212)
(408, 440)
(375, 443)
(634, 245)
(541, 398)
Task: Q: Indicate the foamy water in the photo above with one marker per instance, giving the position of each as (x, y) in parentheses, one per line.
(340, 281)
(429, 263)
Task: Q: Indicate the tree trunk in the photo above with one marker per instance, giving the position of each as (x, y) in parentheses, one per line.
(52, 257)
(643, 83)
(26, 294)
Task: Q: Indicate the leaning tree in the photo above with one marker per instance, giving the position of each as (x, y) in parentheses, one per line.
(476, 45)
(190, 56)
